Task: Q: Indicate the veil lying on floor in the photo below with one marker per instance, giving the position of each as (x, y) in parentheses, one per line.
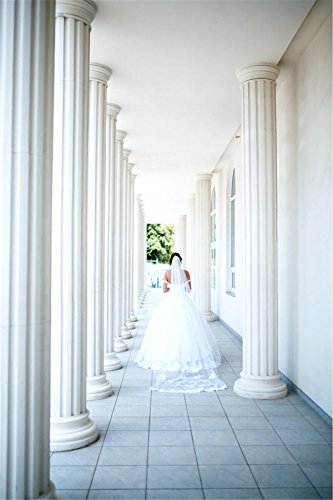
(179, 345)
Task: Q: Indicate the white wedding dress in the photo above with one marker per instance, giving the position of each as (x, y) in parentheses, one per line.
(178, 344)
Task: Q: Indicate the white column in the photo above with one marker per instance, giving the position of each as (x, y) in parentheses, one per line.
(132, 316)
(119, 344)
(138, 253)
(202, 246)
(190, 240)
(71, 426)
(180, 236)
(126, 323)
(259, 378)
(111, 361)
(26, 122)
(98, 387)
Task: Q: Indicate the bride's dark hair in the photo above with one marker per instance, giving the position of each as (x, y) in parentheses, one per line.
(176, 254)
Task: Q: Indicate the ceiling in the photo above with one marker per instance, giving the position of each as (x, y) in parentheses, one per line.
(173, 74)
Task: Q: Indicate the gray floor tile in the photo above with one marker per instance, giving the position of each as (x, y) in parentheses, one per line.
(168, 401)
(123, 455)
(131, 411)
(117, 494)
(235, 401)
(325, 493)
(267, 455)
(72, 494)
(209, 423)
(300, 436)
(72, 477)
(226, 476)
(290, 423)
(235, 493)
(258, 437)
(171, 455)
(326, 433)
(170, 438)
(207, 410)
(279, 410)
(126, 438)
(102, 423)
(168, 411)
(269, 402)
(243, 411)
(129, 424)
(255, 423)
(119, 477)
(189, 494)
(319, 474)
(84, 456)
(219, 455)
(280, 476)
(311, 453)
(166, 476)
(169, 424)
(214, 438)
(317, 421)
(289, 493)
(101, 410)
(133, 401)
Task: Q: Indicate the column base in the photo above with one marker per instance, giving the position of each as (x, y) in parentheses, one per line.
(210, 316)
(260, 387)
(133, 317)
(120, 345)
(129, 325)
(98, 387)
(111, 362)
(50, 493)
(125, 333)
(71, 433)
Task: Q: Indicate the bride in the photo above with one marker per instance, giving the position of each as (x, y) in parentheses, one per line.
(178, 344)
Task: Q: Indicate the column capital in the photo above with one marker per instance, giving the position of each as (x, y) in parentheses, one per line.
(121, 135)
(112, 110)
(99, 72)
(126, 153)
(82, 10)
(260, 71)
(203, 177)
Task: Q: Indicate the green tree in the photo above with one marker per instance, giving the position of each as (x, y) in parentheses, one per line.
(160, 242)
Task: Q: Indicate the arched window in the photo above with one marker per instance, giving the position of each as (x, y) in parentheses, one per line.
(213, 238)
(232, 236)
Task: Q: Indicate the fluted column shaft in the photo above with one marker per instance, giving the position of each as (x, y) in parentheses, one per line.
(202, 246)
(138, 252)
(120, 345)
(190, 240)
(71, 426)
(26, 123)
(259, 378)
(131, 252)
(126, 324)
(180, 236)
(98, 387)
(111, 361)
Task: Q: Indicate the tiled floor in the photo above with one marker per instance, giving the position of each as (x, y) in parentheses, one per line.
(208, 445)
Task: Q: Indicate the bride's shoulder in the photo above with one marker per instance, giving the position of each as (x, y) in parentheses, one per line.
(167, 275)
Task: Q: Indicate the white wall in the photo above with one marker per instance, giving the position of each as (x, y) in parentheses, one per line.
(228, 307)
(304, 105)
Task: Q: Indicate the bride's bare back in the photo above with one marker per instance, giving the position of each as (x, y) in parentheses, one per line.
(167, 279)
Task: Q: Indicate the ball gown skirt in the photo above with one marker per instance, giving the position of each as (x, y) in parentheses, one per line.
(179, 346)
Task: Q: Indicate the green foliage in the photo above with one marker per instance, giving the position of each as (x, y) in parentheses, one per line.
(160, 242)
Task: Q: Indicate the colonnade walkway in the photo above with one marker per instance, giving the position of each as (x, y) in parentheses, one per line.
(207, 445)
